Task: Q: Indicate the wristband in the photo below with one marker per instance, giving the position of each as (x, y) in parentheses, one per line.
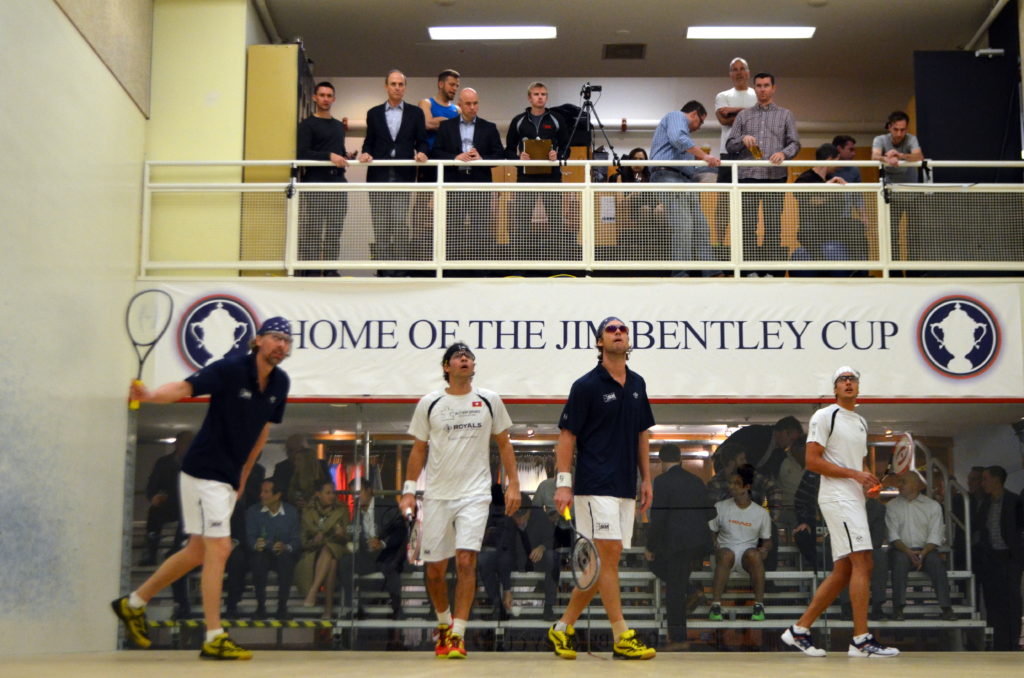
(563, 479)
(409, 487)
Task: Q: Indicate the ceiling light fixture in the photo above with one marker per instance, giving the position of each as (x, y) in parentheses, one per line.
(493, 32)
(749, 32)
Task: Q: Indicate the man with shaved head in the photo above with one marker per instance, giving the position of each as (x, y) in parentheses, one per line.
(468, 139)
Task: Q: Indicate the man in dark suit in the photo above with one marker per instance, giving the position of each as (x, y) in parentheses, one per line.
(678, 535)
(1000, 552)
(469, 138)
(394, 131)
(380, 539)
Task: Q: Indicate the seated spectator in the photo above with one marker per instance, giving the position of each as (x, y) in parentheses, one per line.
(379, 537)
(764, 491)
(914, 522)
(678, 537)
(285, 469)
(826, 232)
(162, 493)
(538, 554)
(629, 174)
(324, 533)
(498, 555)
(272, 537)
(307, 479)
(742, 531)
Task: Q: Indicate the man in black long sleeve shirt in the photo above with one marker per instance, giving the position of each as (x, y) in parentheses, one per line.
(322, 214)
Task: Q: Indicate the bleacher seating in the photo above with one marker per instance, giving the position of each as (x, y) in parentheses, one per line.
(789, 590)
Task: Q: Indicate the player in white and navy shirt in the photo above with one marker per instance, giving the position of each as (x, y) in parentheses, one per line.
(458, 423)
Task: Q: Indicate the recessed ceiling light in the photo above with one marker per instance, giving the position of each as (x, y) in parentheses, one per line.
(749, 32)
(493, 32)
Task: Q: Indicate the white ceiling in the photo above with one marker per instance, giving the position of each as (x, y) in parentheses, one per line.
(866, 40)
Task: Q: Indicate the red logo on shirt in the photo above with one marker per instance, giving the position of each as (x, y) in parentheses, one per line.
(478, 403)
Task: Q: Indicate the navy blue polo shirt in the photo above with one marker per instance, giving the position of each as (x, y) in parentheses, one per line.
(237, 414)
(607, 420)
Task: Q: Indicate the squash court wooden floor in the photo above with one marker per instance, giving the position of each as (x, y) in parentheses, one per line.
(275, 664)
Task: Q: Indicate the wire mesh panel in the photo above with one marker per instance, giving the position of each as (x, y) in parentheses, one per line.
(472, 225)
(538, 226)
(957, 225)
(321, 224)
(658, 224)
(834, 225)
(402, 225)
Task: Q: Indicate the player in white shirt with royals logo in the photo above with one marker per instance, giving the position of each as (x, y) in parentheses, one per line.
(836, 446)
(459, 423)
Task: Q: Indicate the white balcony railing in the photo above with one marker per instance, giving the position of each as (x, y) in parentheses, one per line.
(251, 217)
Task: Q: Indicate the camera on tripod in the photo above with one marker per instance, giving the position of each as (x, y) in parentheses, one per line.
(587, 89)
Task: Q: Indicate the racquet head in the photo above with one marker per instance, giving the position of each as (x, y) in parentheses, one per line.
(586, 563)
(146, 319)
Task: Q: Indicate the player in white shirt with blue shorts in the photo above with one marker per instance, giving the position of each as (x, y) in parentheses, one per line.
(458, 422)
(836, 447)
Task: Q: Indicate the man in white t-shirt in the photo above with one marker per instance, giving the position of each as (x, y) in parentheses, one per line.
(743, 533)
(730, 102)
(836, 446)
(458, 422)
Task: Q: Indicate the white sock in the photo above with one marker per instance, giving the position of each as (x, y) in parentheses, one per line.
(800, 629)
(561, 626)
(445, 617)
(861, 638)
(213, 633)
(458, 627)
(135, 602)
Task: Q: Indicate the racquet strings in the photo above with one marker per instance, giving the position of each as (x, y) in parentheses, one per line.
(148, 315)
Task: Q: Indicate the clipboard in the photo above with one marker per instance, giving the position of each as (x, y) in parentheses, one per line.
(537, 149)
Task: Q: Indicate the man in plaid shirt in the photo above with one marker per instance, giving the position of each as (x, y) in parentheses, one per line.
(763, 131)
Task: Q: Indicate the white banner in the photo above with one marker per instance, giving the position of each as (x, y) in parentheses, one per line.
(691, 338)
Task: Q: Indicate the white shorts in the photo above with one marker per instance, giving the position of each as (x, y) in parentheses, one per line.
(452, 524)
(605, 518)
(206, 506)
(847, 522)
(737, 551)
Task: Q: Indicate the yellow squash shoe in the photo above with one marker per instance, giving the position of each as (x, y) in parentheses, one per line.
(222, 647)
(563, 642)
(631, 647)
(136, 628)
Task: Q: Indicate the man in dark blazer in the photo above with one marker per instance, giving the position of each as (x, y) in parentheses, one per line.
(678, 535)
(469, 138)
(380, 540)
(395, 130)
(1000, 553)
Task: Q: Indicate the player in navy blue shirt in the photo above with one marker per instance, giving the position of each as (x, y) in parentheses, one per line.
(606, 420)
(247, 393)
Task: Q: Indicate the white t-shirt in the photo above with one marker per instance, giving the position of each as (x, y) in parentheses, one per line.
(845, 439)
(739, 529)
(458, 430)
(733, 98)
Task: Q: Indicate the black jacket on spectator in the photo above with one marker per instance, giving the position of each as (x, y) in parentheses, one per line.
(486, 141)
(412, 138)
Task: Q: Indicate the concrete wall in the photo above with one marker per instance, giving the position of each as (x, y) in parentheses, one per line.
(73, 146)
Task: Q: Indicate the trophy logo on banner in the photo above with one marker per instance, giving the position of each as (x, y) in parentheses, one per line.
(959, 336)
(215, 327)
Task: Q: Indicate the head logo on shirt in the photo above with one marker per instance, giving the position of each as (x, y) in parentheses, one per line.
(245, 394)
(215, 327)
(609, 397)
(958, 336)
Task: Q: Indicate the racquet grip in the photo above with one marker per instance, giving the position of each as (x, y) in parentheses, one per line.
(566, 514)
(134, 404)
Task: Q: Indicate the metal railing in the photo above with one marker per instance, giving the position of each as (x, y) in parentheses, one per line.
(250, 217)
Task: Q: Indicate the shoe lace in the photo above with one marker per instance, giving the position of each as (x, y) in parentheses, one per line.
(630, 639)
